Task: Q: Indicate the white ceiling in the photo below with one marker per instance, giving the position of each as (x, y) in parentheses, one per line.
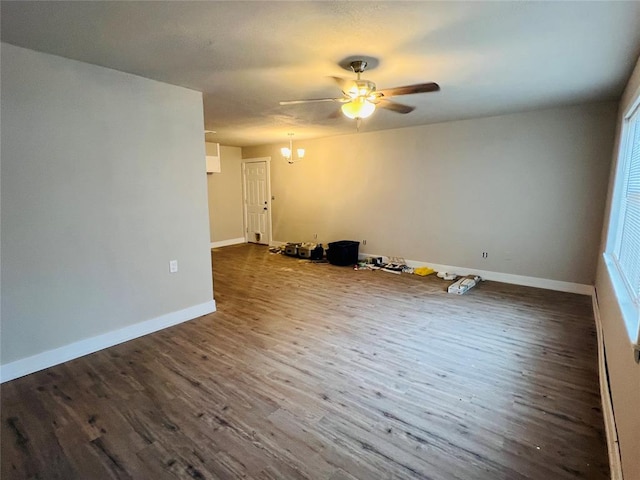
(488, 57)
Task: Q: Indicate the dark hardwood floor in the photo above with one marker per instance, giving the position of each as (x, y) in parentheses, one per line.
(311, 371)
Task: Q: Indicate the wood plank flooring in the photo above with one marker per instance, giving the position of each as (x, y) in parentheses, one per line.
(311, 371)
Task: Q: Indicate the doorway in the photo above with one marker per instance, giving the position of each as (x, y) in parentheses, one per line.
(256, 187)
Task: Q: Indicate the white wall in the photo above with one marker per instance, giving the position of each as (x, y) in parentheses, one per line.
(527, 188)
(624, 373)
(103, 182)
(225, 197)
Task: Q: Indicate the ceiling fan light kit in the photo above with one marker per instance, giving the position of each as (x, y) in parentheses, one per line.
(358, 108)
(360, 97)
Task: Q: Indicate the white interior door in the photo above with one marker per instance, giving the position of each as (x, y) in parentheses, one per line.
(257, 200)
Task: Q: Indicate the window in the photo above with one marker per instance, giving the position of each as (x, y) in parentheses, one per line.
(623, 247)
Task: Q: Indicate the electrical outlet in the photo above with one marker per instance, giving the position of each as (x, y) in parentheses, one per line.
(364, 242)
(173, 266)
(315, 236)
(485, 254)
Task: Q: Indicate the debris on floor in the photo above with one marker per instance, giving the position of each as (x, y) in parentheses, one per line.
(315, 253)
(447, 275)
(423, 271)
(395, 265)
(393, 268)
(464, 284)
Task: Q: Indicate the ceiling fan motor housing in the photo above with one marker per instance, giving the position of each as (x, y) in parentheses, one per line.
(358, 66)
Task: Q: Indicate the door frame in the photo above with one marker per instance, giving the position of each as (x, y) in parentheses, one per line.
(267, 160)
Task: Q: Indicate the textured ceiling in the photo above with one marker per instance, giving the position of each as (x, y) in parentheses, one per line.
(488, 57)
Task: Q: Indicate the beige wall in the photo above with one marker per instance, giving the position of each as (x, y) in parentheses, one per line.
(225, 196)
(624, 373)
(527, 188)
(102, 184)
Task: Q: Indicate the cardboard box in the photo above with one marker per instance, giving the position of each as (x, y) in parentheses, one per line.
(291, 249)
(305, 250)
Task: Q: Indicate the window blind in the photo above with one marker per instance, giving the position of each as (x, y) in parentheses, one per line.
(627, 250)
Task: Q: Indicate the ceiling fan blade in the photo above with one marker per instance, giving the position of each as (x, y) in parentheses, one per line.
(311, 100)
(409, 89)
(394, 106)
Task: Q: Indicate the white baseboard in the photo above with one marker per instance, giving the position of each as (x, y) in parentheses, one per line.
(615, 461)
(276, 243)
(40, 361)
(226, 243)
(501, 277)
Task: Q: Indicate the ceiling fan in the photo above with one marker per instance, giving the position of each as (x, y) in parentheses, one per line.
(360, 97)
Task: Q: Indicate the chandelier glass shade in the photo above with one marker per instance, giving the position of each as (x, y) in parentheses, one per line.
(287, 152)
